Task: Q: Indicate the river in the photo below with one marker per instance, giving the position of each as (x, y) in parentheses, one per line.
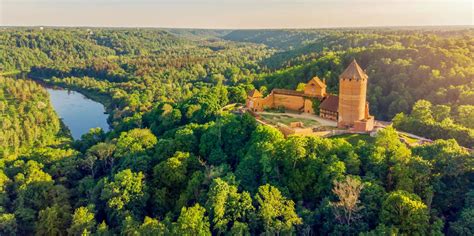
(78, 112)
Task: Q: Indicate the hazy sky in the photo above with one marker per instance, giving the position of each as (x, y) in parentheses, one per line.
(236, 13)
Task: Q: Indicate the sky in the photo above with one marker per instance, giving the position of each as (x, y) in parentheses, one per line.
(235, 14)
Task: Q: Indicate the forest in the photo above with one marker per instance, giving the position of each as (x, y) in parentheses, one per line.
(176, 162)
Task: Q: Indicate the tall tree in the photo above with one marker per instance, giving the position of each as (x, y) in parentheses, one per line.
(405, 211)
(135, 142)
(126, 192)
(192, 221)
(53, 221)
(275, 211)
(82, 223)
(228, 207)
(347, 209)
(8, 224)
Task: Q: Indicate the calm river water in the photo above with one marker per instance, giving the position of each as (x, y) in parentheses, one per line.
(78, 113)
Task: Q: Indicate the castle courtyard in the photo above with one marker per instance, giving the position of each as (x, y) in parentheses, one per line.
(309, 120)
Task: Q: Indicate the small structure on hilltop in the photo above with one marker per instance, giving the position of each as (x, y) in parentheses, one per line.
(350, 109)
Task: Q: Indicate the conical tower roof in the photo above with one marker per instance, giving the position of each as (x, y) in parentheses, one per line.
(353, 71)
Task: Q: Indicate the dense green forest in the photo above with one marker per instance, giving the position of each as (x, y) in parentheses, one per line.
(176, 162)
(27, 120)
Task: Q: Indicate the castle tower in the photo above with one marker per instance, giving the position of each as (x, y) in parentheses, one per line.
(352, 96)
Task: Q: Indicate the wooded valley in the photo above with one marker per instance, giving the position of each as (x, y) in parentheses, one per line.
(176, 163)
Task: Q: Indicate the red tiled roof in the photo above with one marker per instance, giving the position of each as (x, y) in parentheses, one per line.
(331, 103)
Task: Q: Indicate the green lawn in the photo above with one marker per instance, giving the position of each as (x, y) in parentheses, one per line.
(286, 119)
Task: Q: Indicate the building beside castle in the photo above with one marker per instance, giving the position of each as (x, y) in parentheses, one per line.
(350, 109)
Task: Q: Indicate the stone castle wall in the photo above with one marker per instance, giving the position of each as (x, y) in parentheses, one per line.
(364, 125)
(275, 100)
(295, 103)
(259, 104)
(267, 102)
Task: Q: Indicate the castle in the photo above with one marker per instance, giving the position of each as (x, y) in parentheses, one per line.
(350, 109)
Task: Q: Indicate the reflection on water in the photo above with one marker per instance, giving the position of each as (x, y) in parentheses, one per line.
(78, 113)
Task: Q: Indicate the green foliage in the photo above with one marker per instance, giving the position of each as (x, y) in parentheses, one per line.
(8, 225)
(256, 162)
(151, 227)
(126, 192)
(52, 221)
(465, 115)
(316, 104)
(83, 222)
(27, 117)
(172, 177)
(172, 172)
(228, 207)
(389, 159)
(103, 229)
(422, 111)
(421, 122)
(163, 117)
(134, 142)
(382, 230)
(371, 198)
(192, 221)
(464, 224)
(275, 211)
(89, 139)
(405, 211)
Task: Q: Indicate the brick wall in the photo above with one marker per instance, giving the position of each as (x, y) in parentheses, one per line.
(352, 101)
(295, 103)
(308, 106)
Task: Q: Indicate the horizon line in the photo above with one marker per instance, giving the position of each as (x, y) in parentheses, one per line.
(219, 28)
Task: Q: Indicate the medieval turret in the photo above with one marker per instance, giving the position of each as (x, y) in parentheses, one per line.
(352, 96)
